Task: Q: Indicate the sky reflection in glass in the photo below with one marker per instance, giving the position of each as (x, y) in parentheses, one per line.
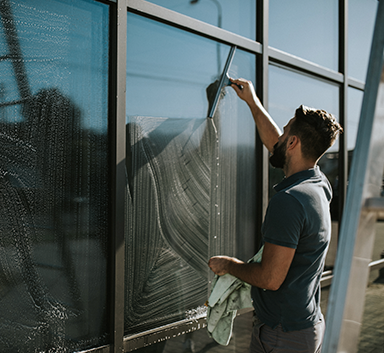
(166, 77)
(288, 90)
(306, 28)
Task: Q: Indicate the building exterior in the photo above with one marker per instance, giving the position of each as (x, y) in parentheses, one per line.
(115, 186)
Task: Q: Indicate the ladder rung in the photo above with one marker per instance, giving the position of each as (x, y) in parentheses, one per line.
(374, 204)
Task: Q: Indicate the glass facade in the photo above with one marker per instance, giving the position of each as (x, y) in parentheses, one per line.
(86, 139)
(54, 172)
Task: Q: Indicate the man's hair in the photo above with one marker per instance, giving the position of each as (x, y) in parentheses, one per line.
(316, 129)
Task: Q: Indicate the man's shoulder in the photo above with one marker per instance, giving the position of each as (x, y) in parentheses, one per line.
(287, 200)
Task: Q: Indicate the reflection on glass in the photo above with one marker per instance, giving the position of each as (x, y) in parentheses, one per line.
(307, 29)
(53, 179)
(189, 178)
(158, 74)
(237, 16)
(287, 91)
(361, 21)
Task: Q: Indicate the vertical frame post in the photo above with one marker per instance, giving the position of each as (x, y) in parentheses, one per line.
(343, 68)
(262, 166)
(118, 45)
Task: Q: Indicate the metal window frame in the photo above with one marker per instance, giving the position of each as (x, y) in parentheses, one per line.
(265, 56)
(117, 89)
(192, 25)
(262, 154)
(343, 106)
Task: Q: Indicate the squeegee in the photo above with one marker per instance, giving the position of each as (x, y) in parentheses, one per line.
(223, 82)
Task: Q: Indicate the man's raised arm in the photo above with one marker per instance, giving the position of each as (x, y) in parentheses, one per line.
(268, 130)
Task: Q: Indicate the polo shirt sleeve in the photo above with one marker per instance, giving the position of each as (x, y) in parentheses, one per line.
(284, 221)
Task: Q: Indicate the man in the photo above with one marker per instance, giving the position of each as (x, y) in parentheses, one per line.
(296, 232)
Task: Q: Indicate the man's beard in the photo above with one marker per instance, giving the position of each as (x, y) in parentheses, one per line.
(278, 159)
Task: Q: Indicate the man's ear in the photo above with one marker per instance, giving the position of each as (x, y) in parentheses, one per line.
(292, 142)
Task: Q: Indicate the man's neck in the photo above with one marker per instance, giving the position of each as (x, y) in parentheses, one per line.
(293, 168)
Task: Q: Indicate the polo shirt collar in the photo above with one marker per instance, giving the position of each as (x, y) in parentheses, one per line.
(294, 178)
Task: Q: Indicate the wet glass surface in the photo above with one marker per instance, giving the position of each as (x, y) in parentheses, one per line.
(53, 175)
(237, 16)
(307, 29)
(190, 179)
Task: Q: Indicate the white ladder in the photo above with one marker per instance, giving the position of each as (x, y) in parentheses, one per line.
(363, 202)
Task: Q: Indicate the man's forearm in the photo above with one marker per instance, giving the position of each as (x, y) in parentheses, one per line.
(269, 274)
(251, 273)
(268, 130)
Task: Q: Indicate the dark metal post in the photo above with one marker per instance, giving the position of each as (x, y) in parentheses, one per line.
(118, 51)
(262, 167)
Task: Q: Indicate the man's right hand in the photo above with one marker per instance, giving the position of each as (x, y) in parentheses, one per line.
(268, 129)
(247, 92)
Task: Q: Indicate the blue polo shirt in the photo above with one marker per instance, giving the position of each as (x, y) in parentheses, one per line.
(297, 217)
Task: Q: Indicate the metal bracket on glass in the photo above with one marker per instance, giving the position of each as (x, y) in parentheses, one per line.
(224, 81)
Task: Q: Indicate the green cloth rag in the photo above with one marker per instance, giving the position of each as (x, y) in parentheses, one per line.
(228, 294)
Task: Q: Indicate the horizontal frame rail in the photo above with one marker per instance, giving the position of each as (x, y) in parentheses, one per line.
(189, 24)
(280, 57)
(163, 333)
(101, 349)
(327, 277)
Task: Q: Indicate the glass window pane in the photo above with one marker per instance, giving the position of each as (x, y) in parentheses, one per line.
(306, 28)
(54, 176)
(355, 100)
(189, 177)
(157, 70)
(237, 16)
(361, 21)
(287, 91)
